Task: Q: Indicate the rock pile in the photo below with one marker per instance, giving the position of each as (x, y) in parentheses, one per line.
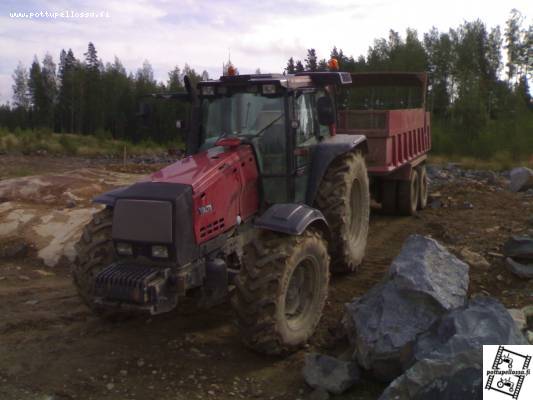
(418, 330)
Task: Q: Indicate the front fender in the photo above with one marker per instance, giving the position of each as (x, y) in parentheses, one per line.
(323, 155)
(109, 198)
(292, 219)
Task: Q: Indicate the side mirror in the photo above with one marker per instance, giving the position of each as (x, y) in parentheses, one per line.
(325, 111)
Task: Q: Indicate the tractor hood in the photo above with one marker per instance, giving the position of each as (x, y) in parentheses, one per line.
(199, 170)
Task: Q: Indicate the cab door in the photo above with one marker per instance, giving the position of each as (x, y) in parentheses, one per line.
(308, 133)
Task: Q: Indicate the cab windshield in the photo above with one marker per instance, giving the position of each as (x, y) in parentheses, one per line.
(243, 114)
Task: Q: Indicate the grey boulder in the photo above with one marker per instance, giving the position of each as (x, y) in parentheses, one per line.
(425, 281)
(483, 321)
(458, 377)
(449, 356)
(424, 266)
(330, 374)
(521, 179)
(520, 247)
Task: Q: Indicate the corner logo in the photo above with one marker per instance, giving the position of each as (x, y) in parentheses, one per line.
(507, 372)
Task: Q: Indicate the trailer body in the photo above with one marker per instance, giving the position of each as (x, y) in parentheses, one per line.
(398, 133)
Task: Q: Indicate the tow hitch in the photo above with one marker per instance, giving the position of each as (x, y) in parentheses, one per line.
(135, 287)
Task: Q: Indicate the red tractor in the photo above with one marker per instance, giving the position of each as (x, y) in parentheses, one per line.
(268, 201)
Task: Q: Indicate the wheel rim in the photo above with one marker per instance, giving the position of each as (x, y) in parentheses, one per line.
(300, 294)
(423, 187)
(355, 217)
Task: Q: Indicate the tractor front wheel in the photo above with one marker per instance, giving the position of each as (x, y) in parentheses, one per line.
(94, 252)
(344, 199)
(281, 291)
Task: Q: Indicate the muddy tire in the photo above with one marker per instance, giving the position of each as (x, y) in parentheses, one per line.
(344, 199)
(423, 190)
(408, 193)
(388, 196)
(94, 252)
(281, 291)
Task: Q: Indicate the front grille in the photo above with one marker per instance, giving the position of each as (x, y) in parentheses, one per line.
(133, 283)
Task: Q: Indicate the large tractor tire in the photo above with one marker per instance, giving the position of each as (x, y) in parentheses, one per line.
(423, 191)
(94, 252)
(281, 291)
(408, 194)
(344, 199)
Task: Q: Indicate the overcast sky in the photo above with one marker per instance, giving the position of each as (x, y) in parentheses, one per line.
(259, 34)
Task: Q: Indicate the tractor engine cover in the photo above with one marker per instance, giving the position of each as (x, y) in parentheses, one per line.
(149, 213)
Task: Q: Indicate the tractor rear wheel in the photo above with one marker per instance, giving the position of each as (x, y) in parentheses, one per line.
(94, 252)
(424, 189)
(281, 291)
(408, 193)
(344, 199)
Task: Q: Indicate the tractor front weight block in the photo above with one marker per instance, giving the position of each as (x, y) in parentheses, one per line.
(134, 287)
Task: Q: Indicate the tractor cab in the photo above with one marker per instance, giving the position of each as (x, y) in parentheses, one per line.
(283, 117)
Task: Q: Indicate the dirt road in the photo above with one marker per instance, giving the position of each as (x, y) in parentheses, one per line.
(51, 347)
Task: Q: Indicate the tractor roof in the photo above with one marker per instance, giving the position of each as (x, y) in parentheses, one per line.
(289, 81)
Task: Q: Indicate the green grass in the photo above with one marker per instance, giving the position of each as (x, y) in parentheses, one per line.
(30, 142)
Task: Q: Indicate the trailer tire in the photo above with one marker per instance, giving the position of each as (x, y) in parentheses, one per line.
(94, 252)
(424, 188)
(408, 193)
(388, 196)
(344, 199)
(272, 316)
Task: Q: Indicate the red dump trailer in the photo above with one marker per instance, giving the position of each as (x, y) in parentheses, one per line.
(390, 110)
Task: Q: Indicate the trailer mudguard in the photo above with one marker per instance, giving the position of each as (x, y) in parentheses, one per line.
(324, 153)
(292, 219)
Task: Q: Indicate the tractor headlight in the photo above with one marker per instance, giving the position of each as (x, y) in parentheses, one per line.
(124, 249)
(159, 252)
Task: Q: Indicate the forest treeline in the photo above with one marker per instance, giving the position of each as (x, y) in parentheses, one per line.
(480, 101)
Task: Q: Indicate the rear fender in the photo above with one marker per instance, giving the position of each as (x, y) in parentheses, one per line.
(323, 155)
(292, 219)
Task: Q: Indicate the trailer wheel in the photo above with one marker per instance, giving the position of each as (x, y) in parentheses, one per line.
(408, 193)
(388, 196)
(94, 252)
(424, 189)
(281, 291)
(344, 199)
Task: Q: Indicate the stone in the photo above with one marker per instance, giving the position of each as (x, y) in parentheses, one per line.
(521, 270)
(448, 358)
(330, 374)
(474, 259)
(521, 179)
(484, 321)
(424, 266)
(519, 247)
(529, 335)
(459, 377)
(424, 282)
